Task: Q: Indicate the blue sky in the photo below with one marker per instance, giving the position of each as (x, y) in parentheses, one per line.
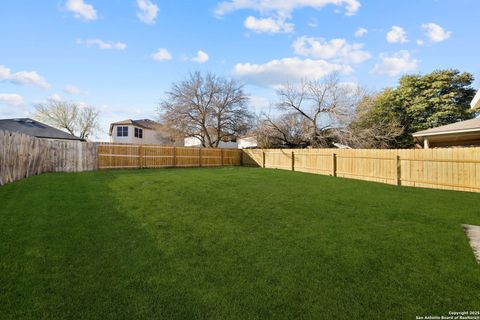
(122, 55)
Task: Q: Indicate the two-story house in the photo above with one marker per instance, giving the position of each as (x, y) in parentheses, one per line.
(143, 131)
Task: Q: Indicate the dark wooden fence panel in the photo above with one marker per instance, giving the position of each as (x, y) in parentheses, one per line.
(22, 156)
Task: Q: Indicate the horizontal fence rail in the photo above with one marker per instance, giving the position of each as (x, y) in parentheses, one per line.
(124, 156)
(22, 156)
(449, 168)
(452, 168)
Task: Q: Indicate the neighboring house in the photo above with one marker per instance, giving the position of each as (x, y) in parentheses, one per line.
(195, 142)
(36, 129)
(248, 142)
(239, 143)
(142, 131)
(463, 133)
(341, 146)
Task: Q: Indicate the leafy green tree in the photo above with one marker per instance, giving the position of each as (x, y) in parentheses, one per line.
(421, 102)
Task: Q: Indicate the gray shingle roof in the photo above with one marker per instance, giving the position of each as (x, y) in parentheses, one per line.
(143, 123)
(34, 128)
(462, 126)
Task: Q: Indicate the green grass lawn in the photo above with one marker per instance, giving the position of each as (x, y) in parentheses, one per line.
(232, 243)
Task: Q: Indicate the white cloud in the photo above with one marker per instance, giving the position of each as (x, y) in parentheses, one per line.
(148, 11)
(395, 64)
(268, 25)
(102, 44)
(397, 34)
(277, 72)
(283, 7)
(5, 73)
(161, 54)
(259, 104)
(71, 89)
(435, 32)
(201, 57)
(55, 97)
(11, 99)
(277, 12)
(420, 42)
(338, 50)
(81, 9)
(23, 78)
(29, 78)
(360, 32)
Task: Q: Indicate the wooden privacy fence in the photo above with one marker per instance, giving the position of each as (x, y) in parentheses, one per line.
(111, 156)
(22, 156)
(453, 168)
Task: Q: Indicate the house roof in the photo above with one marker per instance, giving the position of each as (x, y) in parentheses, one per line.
(471, 125)
(476, 101)
(34, 128)
(141, 123)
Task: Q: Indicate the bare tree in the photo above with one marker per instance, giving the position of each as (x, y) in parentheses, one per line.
(285, 131)
(379, 135)
(209, 108)
(81, 121)
(369, 130)
(314, 109)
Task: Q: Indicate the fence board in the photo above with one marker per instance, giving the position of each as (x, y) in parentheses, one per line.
(452, 168)
(118, 156)
(22, 156)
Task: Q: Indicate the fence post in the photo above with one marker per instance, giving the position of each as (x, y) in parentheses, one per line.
(140, 157)
(263, 159)
(200, 156)
(293, 161)
(399, 171)
(221, 157)
(334, 164)
(174, 157)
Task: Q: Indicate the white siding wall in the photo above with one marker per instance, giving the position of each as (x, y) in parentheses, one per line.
(248, 142)
(192, 142)
(195, 142)
(115, 138)
(152, 137)
(149, 136)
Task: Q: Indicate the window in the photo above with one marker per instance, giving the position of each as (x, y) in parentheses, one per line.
(138, 133)
(122, 131)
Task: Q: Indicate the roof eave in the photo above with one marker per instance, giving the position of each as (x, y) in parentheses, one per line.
(57, 138)
(445, 132)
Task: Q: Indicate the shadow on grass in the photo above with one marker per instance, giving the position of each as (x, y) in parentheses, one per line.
(232, 243)
(68, 251)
